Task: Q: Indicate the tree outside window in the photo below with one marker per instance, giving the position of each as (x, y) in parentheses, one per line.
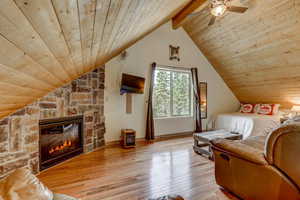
(172, 96)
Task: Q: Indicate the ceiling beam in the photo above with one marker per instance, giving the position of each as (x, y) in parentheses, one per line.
(178, 20)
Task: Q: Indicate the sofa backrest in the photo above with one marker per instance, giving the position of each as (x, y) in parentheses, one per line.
(282, 150)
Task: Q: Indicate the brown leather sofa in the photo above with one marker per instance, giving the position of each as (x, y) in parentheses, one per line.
(260, 168)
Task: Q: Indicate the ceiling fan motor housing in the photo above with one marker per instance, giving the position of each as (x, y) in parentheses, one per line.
(218, 7)
(217, 2)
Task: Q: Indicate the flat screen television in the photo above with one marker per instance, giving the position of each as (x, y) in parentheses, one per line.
(132, 84)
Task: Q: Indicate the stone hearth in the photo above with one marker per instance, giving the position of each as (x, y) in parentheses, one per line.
(19, 132)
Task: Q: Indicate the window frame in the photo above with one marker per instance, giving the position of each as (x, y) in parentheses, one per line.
(191, 97)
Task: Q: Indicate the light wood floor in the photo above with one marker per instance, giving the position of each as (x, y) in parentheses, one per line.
(149, 170)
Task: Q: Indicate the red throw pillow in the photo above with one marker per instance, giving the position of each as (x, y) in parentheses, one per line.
(256, 108)
(266, 109)
(247, 108)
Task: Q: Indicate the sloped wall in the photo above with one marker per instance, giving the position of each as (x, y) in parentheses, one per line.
(48, 43)
(19, 132)
(256, 53)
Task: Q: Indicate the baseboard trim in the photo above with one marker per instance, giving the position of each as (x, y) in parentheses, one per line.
(157, 138)
(175, 135)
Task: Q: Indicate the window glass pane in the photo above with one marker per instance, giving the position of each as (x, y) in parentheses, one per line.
(161, 94)
(181, 94)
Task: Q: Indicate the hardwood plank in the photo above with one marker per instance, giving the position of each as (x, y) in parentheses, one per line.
(138, 12)
(87, 12)
(256, 53)
(12, 21)
(156, 20)
(123, 13)
(3, 114)
(150, 170)
(6, 88)
(108, 28)
(138, 22)
(67, 13)
(9, 107)
(16, 59)
(15, 77)
(102, 10)
(43, 19)
(135, 11)
(47, 43)
(15, 99)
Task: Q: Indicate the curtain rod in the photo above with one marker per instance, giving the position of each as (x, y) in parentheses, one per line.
(174, 67)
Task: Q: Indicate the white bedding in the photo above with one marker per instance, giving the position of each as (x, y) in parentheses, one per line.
(247, 124)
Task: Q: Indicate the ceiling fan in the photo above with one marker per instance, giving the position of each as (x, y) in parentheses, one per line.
(219, 7)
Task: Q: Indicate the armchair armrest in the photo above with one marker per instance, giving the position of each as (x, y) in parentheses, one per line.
(240, 150)
(63, 197)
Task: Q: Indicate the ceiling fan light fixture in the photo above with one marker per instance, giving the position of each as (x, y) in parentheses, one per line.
(218, 10)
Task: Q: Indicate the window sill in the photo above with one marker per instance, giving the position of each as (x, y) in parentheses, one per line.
(173, 117)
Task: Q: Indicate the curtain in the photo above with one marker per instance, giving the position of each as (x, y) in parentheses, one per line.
(197, 106)
(150, 121)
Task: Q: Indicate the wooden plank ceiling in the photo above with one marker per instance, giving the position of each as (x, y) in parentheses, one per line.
(257, 53)
(47, 43)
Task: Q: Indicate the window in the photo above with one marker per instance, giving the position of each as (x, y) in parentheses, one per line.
(172, 95)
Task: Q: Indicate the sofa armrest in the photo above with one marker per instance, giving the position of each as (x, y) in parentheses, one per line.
(239, 150)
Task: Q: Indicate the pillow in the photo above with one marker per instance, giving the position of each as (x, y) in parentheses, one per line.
(276, 109)
(266, 109)
(256, 108)
(23, 185)
(247, 108)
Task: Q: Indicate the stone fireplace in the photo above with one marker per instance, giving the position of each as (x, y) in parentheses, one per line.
(20, 131)
(60, 139)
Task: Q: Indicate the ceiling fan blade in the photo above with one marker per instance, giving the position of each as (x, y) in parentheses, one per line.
(212, 20)
(237, 9)
(194, 14)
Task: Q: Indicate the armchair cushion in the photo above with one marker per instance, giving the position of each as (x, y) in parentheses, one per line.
(62, 197)
(21, 185)
(251, 149)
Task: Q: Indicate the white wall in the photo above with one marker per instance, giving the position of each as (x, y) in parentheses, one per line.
(155, 48)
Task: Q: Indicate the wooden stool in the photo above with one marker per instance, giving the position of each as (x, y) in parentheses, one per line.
(128, 138)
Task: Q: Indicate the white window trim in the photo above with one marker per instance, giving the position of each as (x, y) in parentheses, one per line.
(191, 99)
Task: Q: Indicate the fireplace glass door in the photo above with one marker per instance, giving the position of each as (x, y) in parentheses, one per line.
(60, 139)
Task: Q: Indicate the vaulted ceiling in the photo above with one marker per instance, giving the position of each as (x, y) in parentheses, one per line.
(47, 43)
(257, 53)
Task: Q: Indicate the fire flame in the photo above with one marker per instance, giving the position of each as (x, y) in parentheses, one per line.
(66, 144)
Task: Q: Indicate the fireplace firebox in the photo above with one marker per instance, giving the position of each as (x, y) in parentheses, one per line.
(60, 139)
